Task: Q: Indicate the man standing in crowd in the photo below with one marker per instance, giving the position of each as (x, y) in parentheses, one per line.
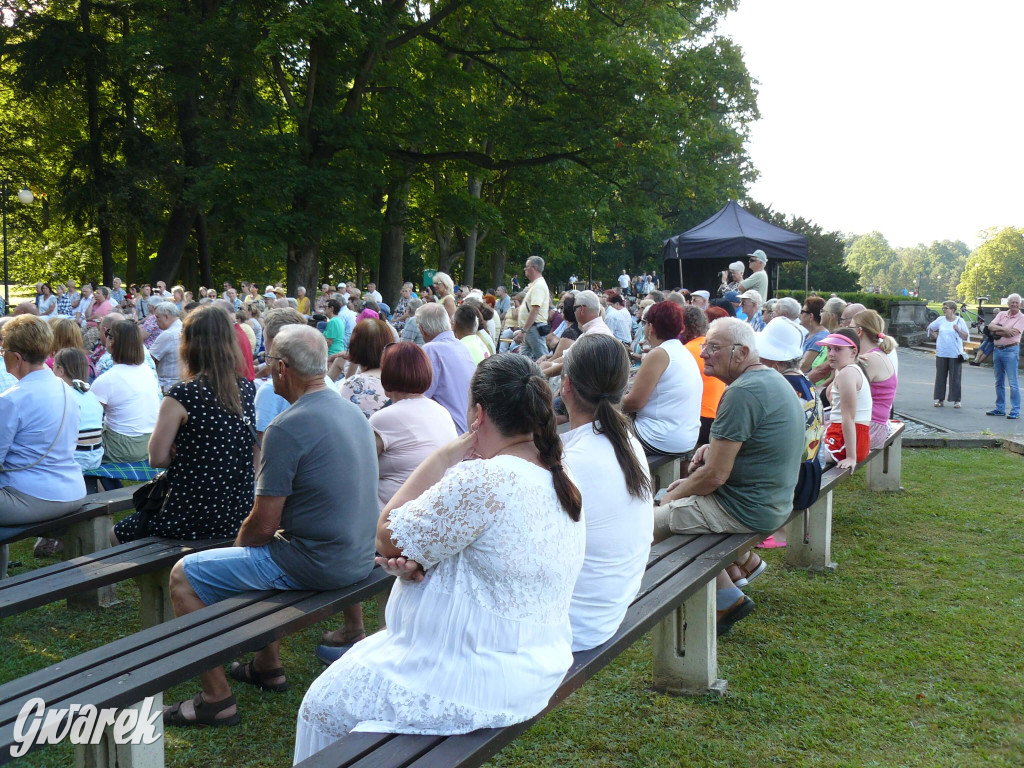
(757, 280)
(743, 481)
(624, 283)
(312, 525)
(373, 294)
(504, 301)
(450, 361)
(534, 309)
(1007, 327)
(164, 350)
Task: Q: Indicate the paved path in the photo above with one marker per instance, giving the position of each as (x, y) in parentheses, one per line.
(914, 397)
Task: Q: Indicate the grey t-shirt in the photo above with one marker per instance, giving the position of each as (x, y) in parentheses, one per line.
(320, 454)
(757, 281)
(760, 410)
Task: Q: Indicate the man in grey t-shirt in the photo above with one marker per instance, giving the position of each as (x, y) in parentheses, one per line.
(312, 525)
(744, 480)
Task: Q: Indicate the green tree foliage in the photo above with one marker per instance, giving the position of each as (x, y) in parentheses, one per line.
(826, 270)
(332, 139)
(933, 271)
(995, 268)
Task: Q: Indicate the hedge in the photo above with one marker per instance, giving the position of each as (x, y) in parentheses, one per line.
(876, 301)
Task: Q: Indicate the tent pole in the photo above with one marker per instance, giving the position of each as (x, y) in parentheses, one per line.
(807, 278)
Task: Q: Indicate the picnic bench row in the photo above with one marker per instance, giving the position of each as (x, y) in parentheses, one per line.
(676, 601)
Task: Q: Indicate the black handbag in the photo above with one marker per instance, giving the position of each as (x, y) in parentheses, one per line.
(543, 328)
(149, 500)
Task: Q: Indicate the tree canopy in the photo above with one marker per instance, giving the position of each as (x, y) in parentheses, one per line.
(321, 139)
(995, 268)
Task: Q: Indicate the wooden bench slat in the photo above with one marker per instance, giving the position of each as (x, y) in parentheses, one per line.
(105, 503)
(81, 574)
(356, 747)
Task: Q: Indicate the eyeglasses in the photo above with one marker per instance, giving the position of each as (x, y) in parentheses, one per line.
(711, 348)
(280, 360)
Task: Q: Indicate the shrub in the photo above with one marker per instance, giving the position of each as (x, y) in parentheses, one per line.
(876, 301)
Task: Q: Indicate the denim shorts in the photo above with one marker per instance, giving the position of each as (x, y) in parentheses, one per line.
(221, 573)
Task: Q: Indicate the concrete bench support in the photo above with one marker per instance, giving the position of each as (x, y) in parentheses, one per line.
(884, 469)
(155, 597)
(666, 474)
(686, 648)
(107, 754)
(809, 537)
(84, 538)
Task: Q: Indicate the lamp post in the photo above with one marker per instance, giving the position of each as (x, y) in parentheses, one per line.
(25, 197)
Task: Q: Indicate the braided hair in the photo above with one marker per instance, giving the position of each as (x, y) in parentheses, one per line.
(517, 399)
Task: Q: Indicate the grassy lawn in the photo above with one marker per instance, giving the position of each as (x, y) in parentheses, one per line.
(909, 655)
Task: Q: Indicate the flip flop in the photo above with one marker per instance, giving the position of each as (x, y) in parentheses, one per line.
(770, 543)
(206, 713)
(247, 673)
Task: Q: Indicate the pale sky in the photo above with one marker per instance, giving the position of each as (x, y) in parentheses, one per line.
(901, 116)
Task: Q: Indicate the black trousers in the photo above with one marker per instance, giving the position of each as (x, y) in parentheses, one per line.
(949, 368)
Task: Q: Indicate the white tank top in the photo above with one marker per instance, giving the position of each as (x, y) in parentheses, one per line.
(862, 413)
(670, 420)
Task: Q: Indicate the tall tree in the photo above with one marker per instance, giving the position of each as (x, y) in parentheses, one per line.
(996, 267)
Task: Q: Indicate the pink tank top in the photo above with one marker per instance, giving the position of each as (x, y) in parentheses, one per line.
(882, 394)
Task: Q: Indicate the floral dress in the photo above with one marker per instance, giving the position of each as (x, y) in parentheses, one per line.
(366, 391)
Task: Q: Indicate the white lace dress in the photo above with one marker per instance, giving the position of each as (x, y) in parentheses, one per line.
(484, 640)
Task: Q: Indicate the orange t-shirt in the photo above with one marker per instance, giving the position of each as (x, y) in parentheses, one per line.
(713, 388)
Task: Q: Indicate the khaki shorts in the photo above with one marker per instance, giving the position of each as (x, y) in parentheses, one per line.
(696, 514)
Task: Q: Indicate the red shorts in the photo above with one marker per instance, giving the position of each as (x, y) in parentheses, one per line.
(835, 446)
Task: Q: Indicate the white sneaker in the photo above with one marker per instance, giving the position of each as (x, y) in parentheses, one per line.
(937, 404)
(956, 404)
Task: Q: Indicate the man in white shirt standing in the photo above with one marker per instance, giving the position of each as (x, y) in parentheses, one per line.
(624, 283)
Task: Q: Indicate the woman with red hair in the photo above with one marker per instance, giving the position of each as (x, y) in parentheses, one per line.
(666, 393)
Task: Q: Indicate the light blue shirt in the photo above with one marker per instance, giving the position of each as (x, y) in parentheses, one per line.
(39, 408)
(948, 344)
(6, 380)
(348, 320)
(453, 367)
(269, 404)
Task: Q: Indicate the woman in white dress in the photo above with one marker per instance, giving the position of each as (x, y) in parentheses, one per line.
(486, 539)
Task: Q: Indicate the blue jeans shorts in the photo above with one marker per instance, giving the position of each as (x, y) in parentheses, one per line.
(218, 574)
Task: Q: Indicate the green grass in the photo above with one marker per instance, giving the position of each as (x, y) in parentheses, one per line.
(909, 655)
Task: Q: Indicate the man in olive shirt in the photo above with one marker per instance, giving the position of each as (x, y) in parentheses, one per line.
(312, 525)
(744, 480)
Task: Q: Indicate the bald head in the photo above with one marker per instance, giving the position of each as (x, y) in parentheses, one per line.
(111, 319)
(850, 312)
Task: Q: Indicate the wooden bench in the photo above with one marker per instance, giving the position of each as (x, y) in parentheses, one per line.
(148, 561)
(809, 531)
(123, 673)
(84, 531)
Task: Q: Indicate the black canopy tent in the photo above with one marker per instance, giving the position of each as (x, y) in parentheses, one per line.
(728, 236)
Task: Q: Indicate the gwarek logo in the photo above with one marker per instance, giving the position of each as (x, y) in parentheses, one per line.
(82, 724)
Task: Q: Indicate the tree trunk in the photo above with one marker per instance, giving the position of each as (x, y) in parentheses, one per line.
(303, 264)
(131, 254)
(498, 258)
(392, 240)
(203, 248)
(172, 245)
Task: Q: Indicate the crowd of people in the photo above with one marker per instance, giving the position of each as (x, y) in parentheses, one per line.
(490, 449)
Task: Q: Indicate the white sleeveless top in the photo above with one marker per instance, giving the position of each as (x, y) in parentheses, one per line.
(864, 402)
(670, 421)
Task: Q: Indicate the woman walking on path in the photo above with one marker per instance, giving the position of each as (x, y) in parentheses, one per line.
(950, 332)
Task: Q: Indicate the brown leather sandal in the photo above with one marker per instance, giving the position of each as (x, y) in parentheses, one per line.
(206, 713)
(247, 673)
(742, 575)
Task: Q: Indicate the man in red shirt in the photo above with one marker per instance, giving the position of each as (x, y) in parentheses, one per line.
(1007, 327)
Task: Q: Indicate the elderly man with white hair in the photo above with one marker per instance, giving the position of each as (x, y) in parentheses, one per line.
(450, 360)
(1007, 327)
(165, 349)
(743, 481)
(588, 314)
(700, 299)
(750, 303)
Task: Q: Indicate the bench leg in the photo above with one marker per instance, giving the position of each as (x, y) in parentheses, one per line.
(809, 537)
(155, 597)
(686, 648)
(665, 475)
(83, 539)
(107, 754)
(884, 470)
(382, 605)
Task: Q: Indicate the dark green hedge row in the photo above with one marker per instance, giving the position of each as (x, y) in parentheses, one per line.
(876, 301)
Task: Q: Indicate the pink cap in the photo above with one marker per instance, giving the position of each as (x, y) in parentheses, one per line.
(836, 340)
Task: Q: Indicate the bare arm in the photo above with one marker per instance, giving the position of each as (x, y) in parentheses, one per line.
(263, 522)
(719, 459)
(647, 378)
(168, 421)
(846, 382)
(808, 360)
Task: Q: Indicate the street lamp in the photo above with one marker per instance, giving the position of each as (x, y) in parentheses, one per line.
(25, 197)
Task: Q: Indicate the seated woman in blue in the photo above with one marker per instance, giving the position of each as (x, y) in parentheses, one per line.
(39, 478)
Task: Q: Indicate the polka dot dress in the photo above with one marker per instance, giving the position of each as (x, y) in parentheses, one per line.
(211, 477)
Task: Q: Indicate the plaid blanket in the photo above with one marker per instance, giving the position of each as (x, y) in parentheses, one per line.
(134, 470)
